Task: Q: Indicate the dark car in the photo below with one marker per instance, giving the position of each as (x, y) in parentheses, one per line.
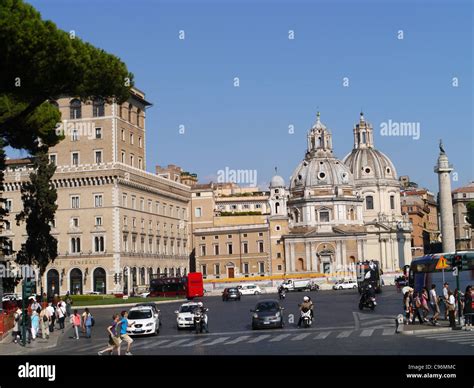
(267, 313)
(232, 293)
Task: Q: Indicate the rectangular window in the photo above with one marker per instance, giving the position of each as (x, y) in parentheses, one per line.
(279, 268)
(75, 135)
(98, 157)
(8, 205)
(140, 142)
(260, 234)
(134, 202)
(98, 200)
(132, 160)
(204, 269)
(125, 242)
(260, 247)
(229, 249)
(140, 163)
(142, 204)
(98, 221)
(53, 159)
(261, 267)
(75, 202)
(245, 268)
(125, 221)
(123, 134)
(75, 158)
(124, 200)
(392, 202)
(150, 206)
(324, 216)
(98, 133)
(217, 269)
(278, 255)
(198, 212)
(123, 156)
(134, 222)
(131, 138)
(258, 206)
(245, 247)
(203, 250)
(75, 222)
(216, 249)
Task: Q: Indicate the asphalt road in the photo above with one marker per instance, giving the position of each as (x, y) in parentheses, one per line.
(339, 329)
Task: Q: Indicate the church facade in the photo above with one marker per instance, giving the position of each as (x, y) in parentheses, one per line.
(341, 211)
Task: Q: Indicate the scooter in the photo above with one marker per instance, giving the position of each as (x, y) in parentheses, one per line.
(367, 301)
(282, 293)
(306, 319)
(200, 321)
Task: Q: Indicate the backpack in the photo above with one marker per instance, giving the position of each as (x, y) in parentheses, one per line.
(92, 321)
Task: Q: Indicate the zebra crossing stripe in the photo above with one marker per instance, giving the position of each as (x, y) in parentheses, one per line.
(388, 332)
(367, 333)
(322, 335)
(258, 339)
(300, 337)
(217, 341)
(175, 343)
(344, 334)
(279, 337)
(197, 342)
(237, 340)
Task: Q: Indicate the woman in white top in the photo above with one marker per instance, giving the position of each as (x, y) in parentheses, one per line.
(451, 309)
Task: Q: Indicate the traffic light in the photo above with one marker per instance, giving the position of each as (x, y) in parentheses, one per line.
(28, 288)
(457, 262)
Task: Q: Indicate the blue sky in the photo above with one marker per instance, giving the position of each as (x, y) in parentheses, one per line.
(283, 82)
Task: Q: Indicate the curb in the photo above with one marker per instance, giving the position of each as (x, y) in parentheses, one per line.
(108, 306)
(429, 331)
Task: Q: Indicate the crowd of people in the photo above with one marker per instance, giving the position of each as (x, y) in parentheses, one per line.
(419, 305)
(43, 317)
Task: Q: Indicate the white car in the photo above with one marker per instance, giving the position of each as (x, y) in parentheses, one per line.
(249, 289)
(11, 297)
(345, 285)
(144, 320)
(185, 315)
(144, 295)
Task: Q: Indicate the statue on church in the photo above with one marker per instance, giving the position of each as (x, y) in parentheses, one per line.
(441, 147)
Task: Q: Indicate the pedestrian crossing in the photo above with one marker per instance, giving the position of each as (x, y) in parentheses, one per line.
(227, 339)
(460, 337)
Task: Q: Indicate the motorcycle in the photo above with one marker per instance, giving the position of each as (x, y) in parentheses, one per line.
(282, 293)
(306, 319)
(200, 321)
(367, 301)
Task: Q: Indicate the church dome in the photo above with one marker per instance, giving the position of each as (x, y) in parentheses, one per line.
(369, 163)
(277, 181)
(364, 161)
(320, 167)
(321, 172)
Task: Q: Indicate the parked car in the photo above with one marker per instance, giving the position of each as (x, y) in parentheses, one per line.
(144, 320)
(11, 297)
(231, 293)
(267, 313)
(249, 289)
(144, 295)
(345, 285)
(185, 315)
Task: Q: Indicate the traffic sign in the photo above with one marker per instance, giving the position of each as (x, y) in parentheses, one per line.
(442, 263)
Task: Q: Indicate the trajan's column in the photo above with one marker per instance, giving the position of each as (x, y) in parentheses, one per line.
(443, 169)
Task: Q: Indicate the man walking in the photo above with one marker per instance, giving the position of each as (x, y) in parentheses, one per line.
(445, 299)
(44, 321)
(434, 305)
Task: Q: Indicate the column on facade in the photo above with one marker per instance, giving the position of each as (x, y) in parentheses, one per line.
(314, 261)
(394, 261)
(308, 255)
(129, 279)
(292, 257)
(344, 255)
(287, 257)
(359, 249)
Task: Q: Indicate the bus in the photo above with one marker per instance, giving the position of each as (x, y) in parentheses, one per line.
(190, 286)
(423, 271)
(368, 272)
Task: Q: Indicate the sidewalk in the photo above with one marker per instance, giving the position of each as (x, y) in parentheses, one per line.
(425, 329)
(9, 348)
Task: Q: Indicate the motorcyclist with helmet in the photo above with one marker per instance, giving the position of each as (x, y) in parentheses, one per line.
(203, 311)
(304, 307)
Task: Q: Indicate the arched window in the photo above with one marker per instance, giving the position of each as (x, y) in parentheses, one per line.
(142, 276)
(171, 271)
(392, 202)
(75, 108)
(369, 202)
(166, 271)
(52, 282)
(158, 271)
(98, 107)
(75, 281)
(99, 280)
(75, 244)
(277, 207)
(364, 139)
(129, 113)
(99, 245)
(139, 112)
